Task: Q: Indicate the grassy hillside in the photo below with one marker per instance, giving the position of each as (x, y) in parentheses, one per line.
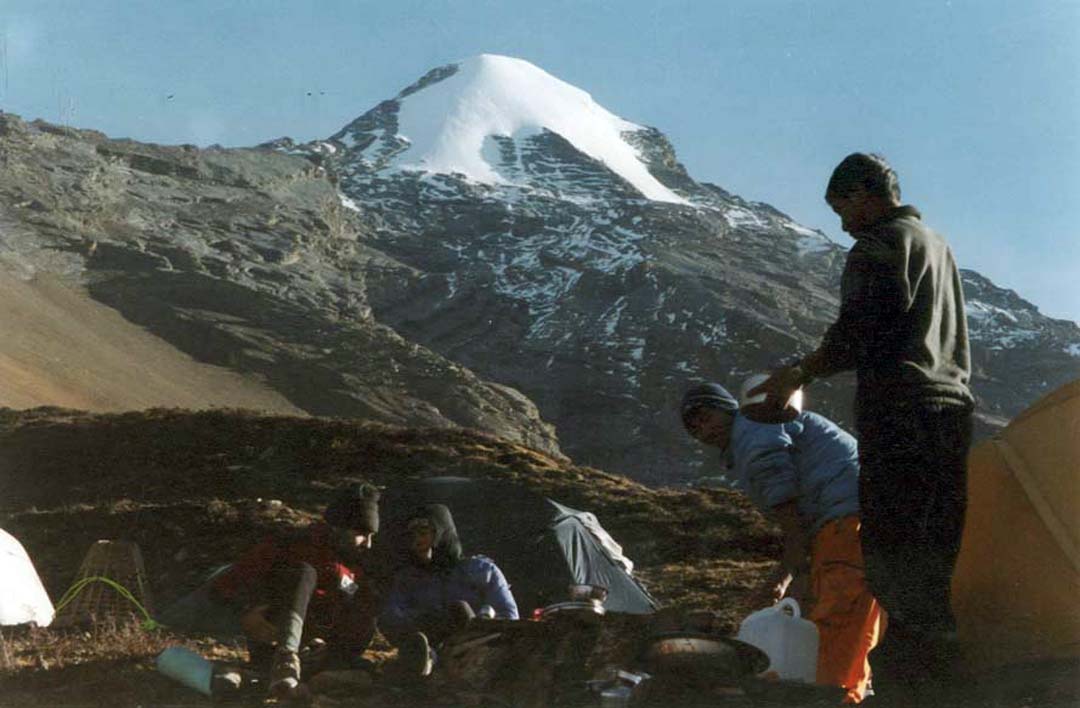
(195, 488)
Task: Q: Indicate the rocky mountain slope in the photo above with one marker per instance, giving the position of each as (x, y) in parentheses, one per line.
(242, 259)
(490, 249)
(544, 258)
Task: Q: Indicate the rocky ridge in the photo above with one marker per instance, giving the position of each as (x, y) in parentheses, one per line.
(240, 258)
(560, 277)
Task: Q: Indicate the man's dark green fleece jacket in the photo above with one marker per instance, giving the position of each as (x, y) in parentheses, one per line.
(902, 325)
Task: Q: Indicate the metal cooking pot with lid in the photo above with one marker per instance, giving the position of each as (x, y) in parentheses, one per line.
(572, 608)
(577, 609)
(587, 592)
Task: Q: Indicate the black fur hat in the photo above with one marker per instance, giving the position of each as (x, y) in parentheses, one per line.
(355, 507)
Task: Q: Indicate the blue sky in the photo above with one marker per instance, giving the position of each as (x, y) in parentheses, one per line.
(975, 102)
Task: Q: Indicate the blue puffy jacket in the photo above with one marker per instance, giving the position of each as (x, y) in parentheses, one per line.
(810, 460)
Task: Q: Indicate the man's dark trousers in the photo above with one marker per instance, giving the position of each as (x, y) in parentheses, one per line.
(912, 496)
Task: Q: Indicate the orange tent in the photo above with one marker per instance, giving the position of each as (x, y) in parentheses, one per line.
(1016, 590)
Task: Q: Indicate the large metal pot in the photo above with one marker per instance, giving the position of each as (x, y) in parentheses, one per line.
(703, 656)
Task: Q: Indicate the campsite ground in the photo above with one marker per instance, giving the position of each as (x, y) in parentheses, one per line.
(193, 489)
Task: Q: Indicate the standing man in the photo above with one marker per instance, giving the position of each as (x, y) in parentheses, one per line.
(903, 330)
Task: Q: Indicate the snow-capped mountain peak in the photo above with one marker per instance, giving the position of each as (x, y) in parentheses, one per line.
(449, 121)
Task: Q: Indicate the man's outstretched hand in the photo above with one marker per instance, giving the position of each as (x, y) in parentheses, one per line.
(772, 590)
(780, 386)
(782, 584)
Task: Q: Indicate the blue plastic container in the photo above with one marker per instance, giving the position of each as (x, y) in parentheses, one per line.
(187, 667)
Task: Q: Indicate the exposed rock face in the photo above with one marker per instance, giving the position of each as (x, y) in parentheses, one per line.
(241, 258)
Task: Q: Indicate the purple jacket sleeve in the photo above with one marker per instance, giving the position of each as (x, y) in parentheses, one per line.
(497, 594)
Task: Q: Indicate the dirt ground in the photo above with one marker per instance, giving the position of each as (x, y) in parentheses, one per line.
(194, 489)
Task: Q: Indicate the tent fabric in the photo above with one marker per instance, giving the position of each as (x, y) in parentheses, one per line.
(614, 550)
(22, 596)
(1017, 580)
(540, 545)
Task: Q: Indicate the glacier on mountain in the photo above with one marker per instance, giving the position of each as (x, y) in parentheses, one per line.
(447, 124)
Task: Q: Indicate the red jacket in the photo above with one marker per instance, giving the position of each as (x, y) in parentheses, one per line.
(342, 608)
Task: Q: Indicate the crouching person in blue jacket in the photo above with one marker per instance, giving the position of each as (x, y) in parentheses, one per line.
(804, 474)
(439, 591)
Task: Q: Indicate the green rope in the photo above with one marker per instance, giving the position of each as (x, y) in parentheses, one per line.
(148, 624)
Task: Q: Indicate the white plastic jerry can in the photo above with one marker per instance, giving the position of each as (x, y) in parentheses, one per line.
(790, 641)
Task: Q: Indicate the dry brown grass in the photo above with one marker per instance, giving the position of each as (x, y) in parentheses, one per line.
(194, 489)
(31, 649)
(110, 663)
(335, 218)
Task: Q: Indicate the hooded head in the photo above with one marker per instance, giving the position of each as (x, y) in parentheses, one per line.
(432, 537)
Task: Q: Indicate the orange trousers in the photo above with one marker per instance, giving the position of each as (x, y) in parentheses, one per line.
(849, 620)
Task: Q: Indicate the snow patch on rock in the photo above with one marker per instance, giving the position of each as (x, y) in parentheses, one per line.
(813, 243)
(737, 217)
(981, 312)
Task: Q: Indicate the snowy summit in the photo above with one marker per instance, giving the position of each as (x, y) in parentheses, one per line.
(447, 124)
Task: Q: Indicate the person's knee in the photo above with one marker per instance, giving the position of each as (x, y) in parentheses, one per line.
(459, 615)
(296, 575)
(306, 573)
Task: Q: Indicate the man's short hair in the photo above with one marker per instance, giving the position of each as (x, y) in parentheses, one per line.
(869, 171)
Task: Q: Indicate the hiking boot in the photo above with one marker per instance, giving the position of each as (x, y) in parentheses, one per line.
(415, 656)
(285, 674)
(315, 657)
(226, 684)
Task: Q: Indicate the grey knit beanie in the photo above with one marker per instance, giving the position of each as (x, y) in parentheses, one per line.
(709, 395)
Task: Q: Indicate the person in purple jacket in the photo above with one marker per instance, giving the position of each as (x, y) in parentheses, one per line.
(439, 591)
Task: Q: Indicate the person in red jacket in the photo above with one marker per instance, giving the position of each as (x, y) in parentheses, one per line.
(293, 587)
